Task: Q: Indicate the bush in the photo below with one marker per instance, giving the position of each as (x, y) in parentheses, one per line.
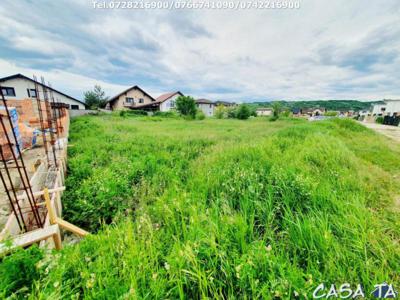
(18, 270)
(273, 118)
(220, 112)
(231, 112)
(186, 106)
(243, 112)
(331, 114)
(165, 114)
(379, 120)
(200, 115)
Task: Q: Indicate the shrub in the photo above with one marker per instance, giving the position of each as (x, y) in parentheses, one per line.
(220, 112)
(276, 109)
(331, 113)
(200, 115)
(186, 106)
(137, 112)
(243, 112)
(379, 120)
(18, 270)
(231, 112)
(165, 114)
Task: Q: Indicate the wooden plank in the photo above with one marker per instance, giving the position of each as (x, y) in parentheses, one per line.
(71, 227)
(40, 193)
(32, 237)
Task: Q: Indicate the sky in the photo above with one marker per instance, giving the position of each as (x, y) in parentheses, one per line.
(325, 49)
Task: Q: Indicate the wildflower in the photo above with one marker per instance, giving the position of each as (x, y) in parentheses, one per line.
(268, 248)
(154, 276)
(56, 284)
(167, 266)
(296, 294)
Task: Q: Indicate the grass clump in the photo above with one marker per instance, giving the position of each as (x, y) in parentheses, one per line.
(226, 209)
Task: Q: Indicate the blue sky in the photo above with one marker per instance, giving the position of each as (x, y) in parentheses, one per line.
(325, 50)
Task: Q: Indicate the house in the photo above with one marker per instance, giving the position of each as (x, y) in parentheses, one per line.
(389, 107)
(167, 101)
(296, 111)
(392, 107)
(19, 87)
(263, 111)
(313, 111)
(224, 103)
(133, 98)
(206, 106)
(378, 109)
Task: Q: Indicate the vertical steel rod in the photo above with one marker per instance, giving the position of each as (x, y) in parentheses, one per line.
(49, 121)
(25, 178)
(20, 215)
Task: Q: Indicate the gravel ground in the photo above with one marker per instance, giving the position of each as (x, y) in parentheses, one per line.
(392, 132)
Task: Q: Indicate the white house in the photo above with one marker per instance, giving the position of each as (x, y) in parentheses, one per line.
(167, 101)
(206, 106)
(392, 107)
(263, 111)
(20, 87)
(378, 109)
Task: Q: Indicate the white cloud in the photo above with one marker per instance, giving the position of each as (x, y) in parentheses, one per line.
(324, 50)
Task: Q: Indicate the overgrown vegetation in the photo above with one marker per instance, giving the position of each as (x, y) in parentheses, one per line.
(18, 271)
(225, 209)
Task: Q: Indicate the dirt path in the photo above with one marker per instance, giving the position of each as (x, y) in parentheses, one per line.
(392, 132)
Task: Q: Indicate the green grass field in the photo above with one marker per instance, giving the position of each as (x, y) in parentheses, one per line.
(220, 209)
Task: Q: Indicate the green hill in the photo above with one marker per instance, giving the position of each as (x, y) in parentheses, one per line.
(337, 105)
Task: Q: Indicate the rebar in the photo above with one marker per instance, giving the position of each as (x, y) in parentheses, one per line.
(22, 174)
(49, 121)
(7, 190)
(40, 112)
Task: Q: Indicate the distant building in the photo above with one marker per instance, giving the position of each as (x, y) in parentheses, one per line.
(20, 87)
(390, 107)
(308, 111)
(167, 101)
(264, 112)
(133, 98)
(225, 103)
(378, 109)
(206, 106)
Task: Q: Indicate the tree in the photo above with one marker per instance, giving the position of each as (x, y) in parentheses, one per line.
(186, 106)
(243, 112)
(220, 112)
(96, 98)
(276, 109)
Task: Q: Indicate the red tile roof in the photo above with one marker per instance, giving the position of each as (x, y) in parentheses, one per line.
(166, 96)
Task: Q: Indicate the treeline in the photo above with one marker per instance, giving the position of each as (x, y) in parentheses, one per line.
(337, 105)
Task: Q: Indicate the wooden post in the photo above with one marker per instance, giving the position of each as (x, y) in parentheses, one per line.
(57, 239)
(52, 215)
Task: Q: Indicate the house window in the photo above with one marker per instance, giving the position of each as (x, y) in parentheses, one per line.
(8, 91)
(172, 103)
(210, 105)
(141, 100)
(74, 106)
(128, 100)
(31, 93)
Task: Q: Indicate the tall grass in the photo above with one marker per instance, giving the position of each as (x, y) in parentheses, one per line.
(226, 209)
